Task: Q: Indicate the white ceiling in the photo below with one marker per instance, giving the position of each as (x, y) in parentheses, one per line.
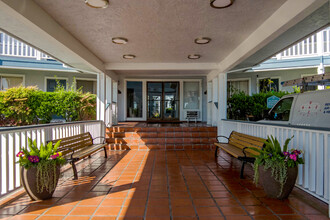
(161, 31)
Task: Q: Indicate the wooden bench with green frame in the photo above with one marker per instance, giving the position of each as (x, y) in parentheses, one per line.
(238, 145)
(79, 146)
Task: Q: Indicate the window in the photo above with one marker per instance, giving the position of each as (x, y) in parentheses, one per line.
(281, 111)
(86, 85)
(8, 82)
(268, 84)
(235, 86)
(134, 99)
(52, 83)
(191, 95)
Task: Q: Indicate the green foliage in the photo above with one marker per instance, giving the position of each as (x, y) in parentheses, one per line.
(46, 159)
(242, 106)
(28, 105)
(273, 157)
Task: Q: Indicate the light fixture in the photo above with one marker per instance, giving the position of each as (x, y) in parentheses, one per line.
(221, 3)
(97, 3)
(119, 40)
(202, 40)
(129, 56)
(194, 56)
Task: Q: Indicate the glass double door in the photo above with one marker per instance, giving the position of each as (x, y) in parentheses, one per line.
(163, 101)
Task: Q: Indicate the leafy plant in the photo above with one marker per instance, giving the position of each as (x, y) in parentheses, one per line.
(273, 157)
(45, 159)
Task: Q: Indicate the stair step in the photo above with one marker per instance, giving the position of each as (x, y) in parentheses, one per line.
(161, 129)
(161, 140)
(161, 134)
(160, 147)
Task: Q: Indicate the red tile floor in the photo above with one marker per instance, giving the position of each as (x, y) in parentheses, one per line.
(160, 185)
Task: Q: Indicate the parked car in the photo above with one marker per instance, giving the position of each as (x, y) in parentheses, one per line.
(302, 109)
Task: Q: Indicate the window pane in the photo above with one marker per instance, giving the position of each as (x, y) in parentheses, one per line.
(86, 86)
(191, 95)
(281, 111)
(52, 83)
(134, 99)
(268, 84)
(8, 82)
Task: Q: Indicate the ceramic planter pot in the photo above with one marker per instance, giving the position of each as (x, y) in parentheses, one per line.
(272, 187)
(29, 181)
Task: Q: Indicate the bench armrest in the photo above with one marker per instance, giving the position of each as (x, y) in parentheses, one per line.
(221, 136)
(244, 151)
(99, 138)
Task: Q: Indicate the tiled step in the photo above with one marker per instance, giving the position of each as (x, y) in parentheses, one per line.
(122, 138)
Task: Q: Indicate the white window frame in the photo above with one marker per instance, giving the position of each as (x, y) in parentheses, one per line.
(52, 77)
(84, 79)
(271, 77)
(144, 97)
(243, 79)
(13, 75)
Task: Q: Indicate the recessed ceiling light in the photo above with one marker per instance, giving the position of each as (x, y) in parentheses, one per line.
(129, 56)
(221, 3)
(202, 40)
(119, 40)
(97, 3)
(194, 56)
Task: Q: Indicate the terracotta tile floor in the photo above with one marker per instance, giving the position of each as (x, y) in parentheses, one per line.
(162, 185)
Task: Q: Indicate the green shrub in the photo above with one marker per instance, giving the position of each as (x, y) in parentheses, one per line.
(28, 105)
(241, 106)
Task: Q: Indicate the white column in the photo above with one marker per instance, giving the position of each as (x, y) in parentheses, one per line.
(222, 96)
(108, 98)
(101, 93)
(215, 101)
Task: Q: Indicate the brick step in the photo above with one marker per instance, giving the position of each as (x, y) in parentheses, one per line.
(174, 140)
(161, 129)
(160, 147)
(194, 134)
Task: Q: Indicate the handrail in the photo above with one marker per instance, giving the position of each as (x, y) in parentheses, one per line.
(279, 125)
(4, 129)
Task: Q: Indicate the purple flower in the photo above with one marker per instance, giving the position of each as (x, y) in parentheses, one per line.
(286, 153)
(270, 155)
(33, 159)
(20, 154)
(293, 157)
(54, 156)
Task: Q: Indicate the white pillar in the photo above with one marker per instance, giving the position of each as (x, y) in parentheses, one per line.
(108, 106)
(215, 101)
(101, 93)
(222, 96)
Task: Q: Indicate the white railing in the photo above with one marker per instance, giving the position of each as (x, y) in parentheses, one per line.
(314, 175)
(12, 139)
(315, 45)
(9, 46)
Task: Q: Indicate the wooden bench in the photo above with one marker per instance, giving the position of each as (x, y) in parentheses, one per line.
(79, 146)
(238, 146)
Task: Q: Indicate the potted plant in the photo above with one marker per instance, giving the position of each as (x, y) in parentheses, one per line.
(40, 169)
(277, 168)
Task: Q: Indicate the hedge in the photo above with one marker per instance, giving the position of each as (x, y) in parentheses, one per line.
(243, 107)
(28, 105)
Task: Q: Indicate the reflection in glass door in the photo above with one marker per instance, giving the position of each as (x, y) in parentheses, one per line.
(163, 101)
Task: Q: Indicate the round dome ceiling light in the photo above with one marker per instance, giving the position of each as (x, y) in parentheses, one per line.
(221, 3)
(202, 40)
(97, 3)
(129, 56)
(119, 40)
(194, 56)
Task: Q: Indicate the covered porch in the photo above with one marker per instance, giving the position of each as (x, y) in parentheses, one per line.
(187, 184)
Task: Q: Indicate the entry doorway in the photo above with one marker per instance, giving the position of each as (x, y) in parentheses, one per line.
(163, 101)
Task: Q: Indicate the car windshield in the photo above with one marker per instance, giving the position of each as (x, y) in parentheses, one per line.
(281, 111)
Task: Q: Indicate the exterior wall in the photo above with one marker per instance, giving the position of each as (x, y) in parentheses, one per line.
(37, 77)
(122, 98)
(284, 75)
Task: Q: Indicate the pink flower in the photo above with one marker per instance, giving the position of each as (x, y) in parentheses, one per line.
(20, 154)
(33, 159)
(55, 156)
(293, 157)
(286, 153)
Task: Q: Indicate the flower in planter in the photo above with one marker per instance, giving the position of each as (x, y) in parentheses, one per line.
(278, 159)
(45, 159)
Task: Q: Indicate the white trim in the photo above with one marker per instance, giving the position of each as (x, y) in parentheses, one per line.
(41, 69)
(144, 96)
(15, 75)
(53, 77)
(243, 79)
(288, 68)
(271, 77)
(84, 79)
